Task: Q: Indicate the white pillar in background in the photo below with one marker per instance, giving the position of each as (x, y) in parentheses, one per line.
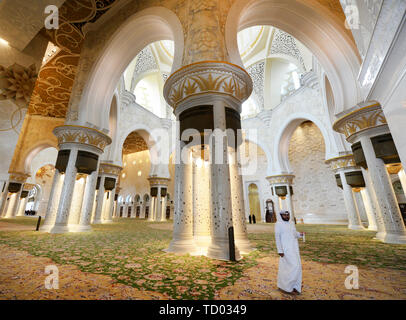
(52, 207)
(182, 241)
(402, 178)
(76, 206)
(65, 201)
(201, 204)
(238, 206)
(222, 216)
(395, 231)
(369, 210)
(163, 208)
(88, 202)
(354, 221)
(21, 207)
(4, 198)
(99, 202)
(12, 205)
(108, 218)
(376, 210)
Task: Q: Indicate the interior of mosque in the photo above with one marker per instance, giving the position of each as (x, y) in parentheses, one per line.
(92, 115)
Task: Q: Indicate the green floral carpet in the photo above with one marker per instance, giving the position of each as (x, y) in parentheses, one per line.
(131, 252)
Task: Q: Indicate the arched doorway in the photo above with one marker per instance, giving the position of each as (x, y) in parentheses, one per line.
(270, 215)
(254, 205)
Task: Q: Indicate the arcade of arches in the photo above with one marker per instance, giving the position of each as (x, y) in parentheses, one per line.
(106, 129)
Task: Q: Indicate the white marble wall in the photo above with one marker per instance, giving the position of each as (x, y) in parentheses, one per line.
(316, 199)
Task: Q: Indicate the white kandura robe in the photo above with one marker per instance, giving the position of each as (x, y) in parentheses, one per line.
(290, 266)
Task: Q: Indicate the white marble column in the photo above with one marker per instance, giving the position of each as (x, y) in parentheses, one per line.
(4, 198)
(151, 213)
(402, 178)
(76, 205)
(107, 208)
(52, 207)
(360, 205)
(376, 210)
(238, 206)
(289, 202)
(395, 231)
(201, 204)
(182, 241)
(12, 205)
(222, 216)
(163, 208)
(158, 207)
(88, 202)
(99, 202)
(109, 217)
(65, 201)
(354, 221)
(21, 207)
(369, 210)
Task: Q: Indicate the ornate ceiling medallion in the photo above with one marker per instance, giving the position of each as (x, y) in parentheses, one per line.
(207, 77)
(17, 83)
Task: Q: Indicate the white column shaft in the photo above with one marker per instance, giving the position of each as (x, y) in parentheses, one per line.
(99, 202)
(65, 200)
(395, 231)
(354, 221)
(88, 201)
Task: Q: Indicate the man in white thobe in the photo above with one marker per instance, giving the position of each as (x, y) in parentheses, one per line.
(290, 267)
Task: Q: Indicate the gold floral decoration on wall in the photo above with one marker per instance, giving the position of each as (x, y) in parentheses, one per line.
(55, 79)
(17, 83)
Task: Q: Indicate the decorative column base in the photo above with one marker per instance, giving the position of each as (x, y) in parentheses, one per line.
(58, 229)
(183, 246)
(219, 249)
(244, 246)
(79, 228)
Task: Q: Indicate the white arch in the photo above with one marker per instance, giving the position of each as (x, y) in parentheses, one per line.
(266, 150)
(156, 146)
(32, 165)
(315, 27)
(141, 29)
(281, 147)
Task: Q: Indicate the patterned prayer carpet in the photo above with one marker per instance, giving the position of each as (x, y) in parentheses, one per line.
(125, 260)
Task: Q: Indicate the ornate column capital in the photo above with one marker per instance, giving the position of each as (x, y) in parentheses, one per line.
(85, 136)
(158, 181)
(364, 116)
(109, 169)
(394, 168)
(345, 162)
(18, 177)
(281, 179)
(214, 77)
(28, 186)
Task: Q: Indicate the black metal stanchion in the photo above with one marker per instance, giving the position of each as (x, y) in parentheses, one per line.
(231, 244)
(38, 223)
